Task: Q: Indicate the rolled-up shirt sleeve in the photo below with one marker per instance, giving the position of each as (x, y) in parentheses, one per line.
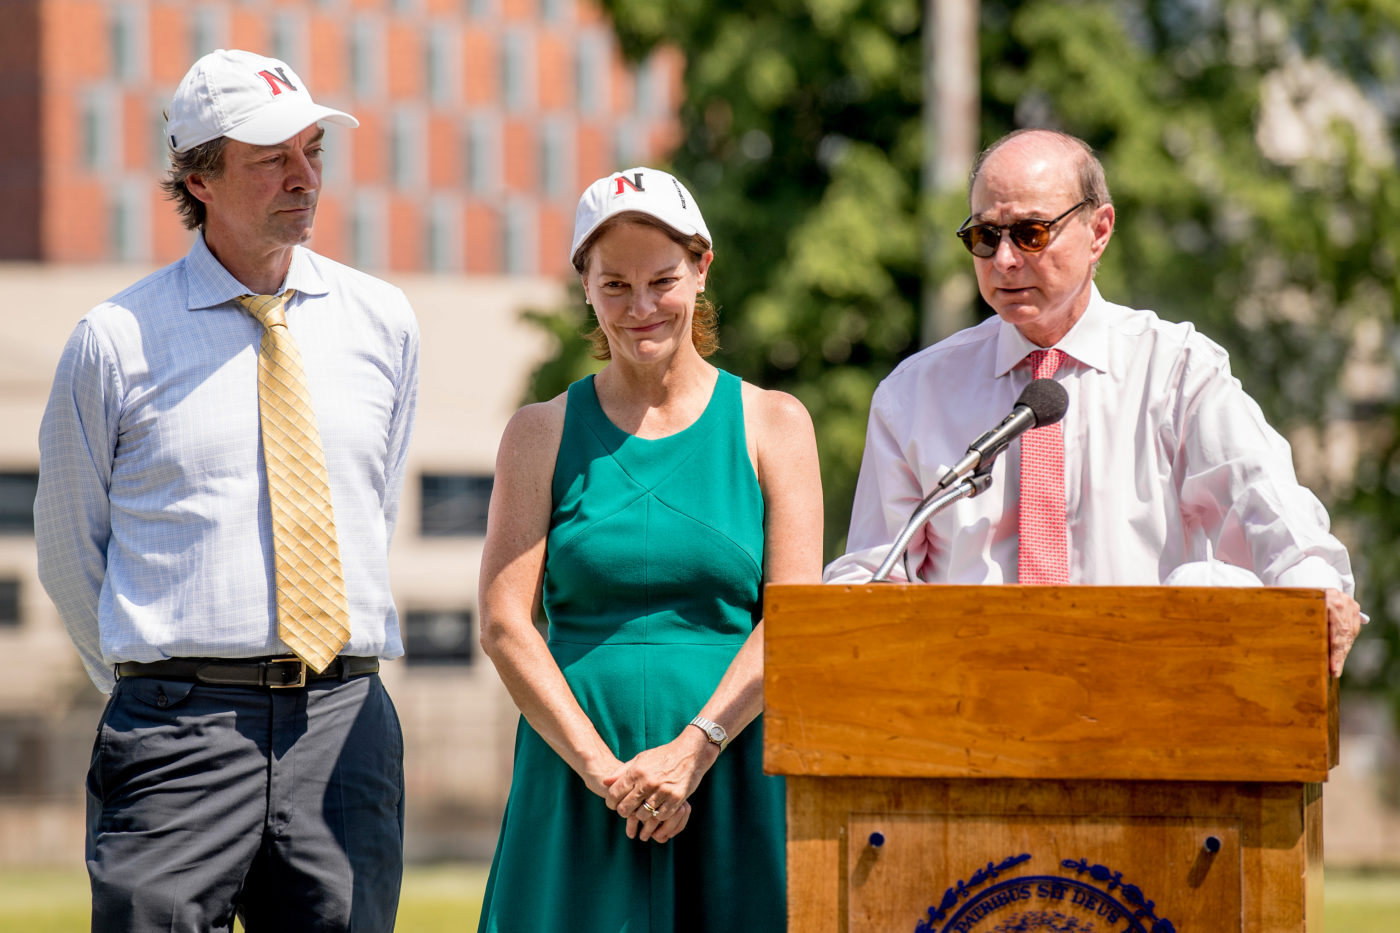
(1239, 485)
(72, 515)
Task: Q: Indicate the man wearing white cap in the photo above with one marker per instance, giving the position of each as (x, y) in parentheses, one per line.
(220, 466)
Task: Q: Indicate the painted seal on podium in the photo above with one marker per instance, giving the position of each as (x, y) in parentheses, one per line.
(1090, 898)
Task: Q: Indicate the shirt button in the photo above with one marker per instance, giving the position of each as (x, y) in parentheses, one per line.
(162, 700)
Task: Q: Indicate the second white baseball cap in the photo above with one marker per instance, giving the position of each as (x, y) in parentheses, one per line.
(244, 96)
(645, 190)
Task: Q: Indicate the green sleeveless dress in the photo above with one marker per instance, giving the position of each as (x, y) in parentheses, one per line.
(652, 582)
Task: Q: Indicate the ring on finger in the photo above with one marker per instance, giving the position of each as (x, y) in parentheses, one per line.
(646, 805)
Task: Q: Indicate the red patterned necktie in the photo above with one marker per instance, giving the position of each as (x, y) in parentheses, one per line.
(1043, 551)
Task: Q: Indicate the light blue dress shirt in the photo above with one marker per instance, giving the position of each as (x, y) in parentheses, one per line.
(152, 520)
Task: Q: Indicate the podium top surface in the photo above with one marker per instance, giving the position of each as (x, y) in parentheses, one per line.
(1114, 683)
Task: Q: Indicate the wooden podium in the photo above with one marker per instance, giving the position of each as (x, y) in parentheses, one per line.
(984, 759)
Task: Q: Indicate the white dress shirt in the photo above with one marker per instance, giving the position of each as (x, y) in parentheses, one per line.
(1167, 461)
(152, 520)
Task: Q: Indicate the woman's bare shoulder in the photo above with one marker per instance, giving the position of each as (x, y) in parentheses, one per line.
(539, 424)
(774, 412)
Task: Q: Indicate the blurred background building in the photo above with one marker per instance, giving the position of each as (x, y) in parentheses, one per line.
(480, 123)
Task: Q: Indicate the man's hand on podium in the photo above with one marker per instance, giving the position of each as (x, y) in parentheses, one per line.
(1344, 621)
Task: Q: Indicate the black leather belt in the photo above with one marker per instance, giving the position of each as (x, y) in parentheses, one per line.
(276, 673)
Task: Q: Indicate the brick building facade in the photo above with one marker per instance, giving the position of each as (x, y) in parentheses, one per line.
(481, 121)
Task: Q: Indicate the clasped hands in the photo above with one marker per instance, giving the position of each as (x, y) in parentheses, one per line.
(652, 790)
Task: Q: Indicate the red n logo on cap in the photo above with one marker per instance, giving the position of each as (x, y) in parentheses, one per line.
(274, 79)
(635, 183)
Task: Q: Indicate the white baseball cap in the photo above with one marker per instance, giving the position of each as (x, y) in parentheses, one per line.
(247, 97)
(645, 190)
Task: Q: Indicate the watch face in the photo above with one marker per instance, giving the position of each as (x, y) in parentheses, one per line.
(713, 731)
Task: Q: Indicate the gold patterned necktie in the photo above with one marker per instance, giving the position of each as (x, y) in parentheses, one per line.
(313, 615)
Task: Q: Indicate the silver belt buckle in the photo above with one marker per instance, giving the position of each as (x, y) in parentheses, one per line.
(301, 673)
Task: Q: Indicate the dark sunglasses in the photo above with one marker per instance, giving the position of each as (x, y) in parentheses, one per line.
(1030, 236)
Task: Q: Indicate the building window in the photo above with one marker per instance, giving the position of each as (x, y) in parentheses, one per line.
(123, 41)
(337, 158)
(440, 65)
(554, 172)
(438, 636)
(366, 239)
(22, 755)
(480, 9)
(649, 88)
(625, 151)
(406, 150)
(481, 147)
(516, 68)
(552, 11)
(641, 89)
(443, 237)
(119, 226)
(127, 223)
(93, 120)
(9, 603)
(289, 39)
(17, 491)
(453, 504)
(364, 75)
(206, 31)
(518, 244)
(590, 73)
(101, 127)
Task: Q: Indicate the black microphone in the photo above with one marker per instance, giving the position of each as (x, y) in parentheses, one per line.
(1042, 402)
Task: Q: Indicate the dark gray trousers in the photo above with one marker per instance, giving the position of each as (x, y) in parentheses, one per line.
(283, 805)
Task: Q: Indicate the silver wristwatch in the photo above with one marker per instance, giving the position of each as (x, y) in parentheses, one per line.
(713, 731)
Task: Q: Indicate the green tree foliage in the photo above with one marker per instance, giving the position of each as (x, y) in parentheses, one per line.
(1250, 147)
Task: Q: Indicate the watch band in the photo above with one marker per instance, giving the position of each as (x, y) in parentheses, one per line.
(714, 732)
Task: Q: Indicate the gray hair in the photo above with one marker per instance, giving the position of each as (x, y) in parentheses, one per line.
(206, 159)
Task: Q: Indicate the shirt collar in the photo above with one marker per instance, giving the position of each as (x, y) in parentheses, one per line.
(1086, 342)
(211, 285)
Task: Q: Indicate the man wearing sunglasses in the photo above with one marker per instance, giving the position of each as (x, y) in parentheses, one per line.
(1162, 470)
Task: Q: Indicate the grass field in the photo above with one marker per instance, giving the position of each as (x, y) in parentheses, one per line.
(437, 899)
(440, 899)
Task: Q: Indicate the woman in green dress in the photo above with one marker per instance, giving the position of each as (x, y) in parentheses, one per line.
(634, 521)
